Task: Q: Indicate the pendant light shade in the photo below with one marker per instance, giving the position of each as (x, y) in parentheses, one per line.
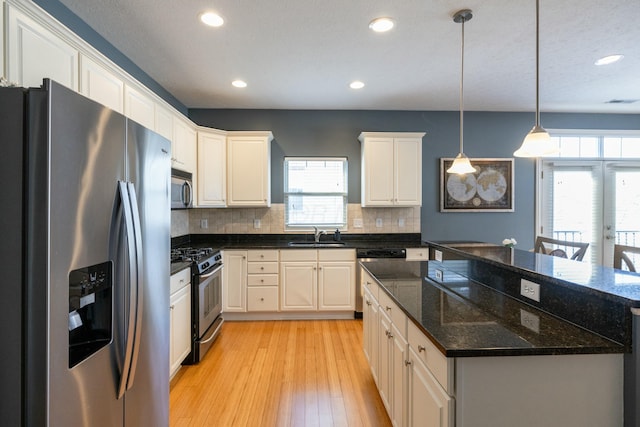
(461, 164)
(537, 143)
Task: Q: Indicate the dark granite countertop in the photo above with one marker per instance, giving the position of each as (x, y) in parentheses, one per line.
(177, 267)
(281, 241)
(603, 282)
(467, 319)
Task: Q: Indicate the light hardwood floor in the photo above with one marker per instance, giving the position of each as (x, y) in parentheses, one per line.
(280, 373)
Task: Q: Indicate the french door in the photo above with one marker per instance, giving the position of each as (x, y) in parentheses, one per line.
(594, 201)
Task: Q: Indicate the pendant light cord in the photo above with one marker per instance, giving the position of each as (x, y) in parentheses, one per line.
(537, 63)
(462, 89)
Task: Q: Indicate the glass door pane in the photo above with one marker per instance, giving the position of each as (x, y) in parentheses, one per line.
(621, 207)
(571, 204)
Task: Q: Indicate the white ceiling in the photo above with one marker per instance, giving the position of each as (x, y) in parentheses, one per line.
(302, 54)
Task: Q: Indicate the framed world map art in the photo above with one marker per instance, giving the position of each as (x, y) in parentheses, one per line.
(489, 189)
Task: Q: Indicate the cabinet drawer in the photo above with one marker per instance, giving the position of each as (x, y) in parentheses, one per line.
(179, 280)
(262, 255)
(367, 282)
(262, 280)
(398, 317)
(336, 255)
(298, 255)
(262, 268)
(417, 254)
(437, 363)
(262, 299)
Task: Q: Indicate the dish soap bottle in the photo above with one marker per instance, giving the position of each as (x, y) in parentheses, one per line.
(336, 235)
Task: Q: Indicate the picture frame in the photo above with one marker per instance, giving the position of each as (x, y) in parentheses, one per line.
(489, 189)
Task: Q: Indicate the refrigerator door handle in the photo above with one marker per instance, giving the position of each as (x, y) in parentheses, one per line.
(133, 198)
(130, 311)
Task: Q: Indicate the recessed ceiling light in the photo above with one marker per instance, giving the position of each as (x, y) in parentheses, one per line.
(356, 85)
(211, 19)
(239, 83)
(381, 25)
(610, 59)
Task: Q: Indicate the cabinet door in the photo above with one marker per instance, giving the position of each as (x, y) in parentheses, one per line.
(164, 123)
(385, 348)
(371, 325)
(408, 171)
(139, 107)
(101, 85)
(298, 282)
(377, 172)
(249, 171)
(184, 147)
(234, 281)
(212, 170)
(399, 375)
(336, 286)
(34, 52)
(180, 339)
(429, 404)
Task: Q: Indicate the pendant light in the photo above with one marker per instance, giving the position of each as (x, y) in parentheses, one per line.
(537, 142)
(461, 164)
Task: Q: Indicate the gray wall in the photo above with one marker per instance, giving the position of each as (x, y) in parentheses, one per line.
(335, 133)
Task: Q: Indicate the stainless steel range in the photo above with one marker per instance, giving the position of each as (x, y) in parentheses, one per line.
(206, 297)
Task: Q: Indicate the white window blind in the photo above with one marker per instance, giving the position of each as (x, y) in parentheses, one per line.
(315, 192)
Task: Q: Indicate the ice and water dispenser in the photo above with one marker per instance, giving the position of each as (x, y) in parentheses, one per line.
(90, 310)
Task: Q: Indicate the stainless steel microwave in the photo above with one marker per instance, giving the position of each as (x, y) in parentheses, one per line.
(181, 189)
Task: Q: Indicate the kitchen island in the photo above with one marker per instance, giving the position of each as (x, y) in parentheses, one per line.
(479, 353)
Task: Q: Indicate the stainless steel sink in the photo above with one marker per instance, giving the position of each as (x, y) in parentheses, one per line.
(316, 245)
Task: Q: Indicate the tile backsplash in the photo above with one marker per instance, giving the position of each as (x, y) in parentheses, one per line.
(271, 220)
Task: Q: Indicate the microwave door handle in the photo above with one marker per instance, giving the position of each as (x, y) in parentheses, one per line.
(128, 311)
(138, 288)
(187, 193)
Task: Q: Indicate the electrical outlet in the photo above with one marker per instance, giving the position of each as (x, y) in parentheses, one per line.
(357, 223)
(437, 255)
(204, 223)
(379, 222)
(530, 321)
(256, 223)
(439, 275)
(530, 290)
(400, 222)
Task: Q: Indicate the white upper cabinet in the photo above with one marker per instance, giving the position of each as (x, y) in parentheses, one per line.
(164, 122)
(212, 168)
(391, 165)
(2, 38)
(139, 107)
(34, 52)
(100, 84)
(249, 169)
(183, 147)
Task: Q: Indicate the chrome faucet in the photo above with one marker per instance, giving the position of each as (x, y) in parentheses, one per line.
(317, 233)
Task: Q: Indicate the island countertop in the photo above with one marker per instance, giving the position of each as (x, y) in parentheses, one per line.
(464, 318)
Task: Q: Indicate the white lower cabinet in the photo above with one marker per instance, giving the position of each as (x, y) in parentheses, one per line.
(409, 391)
(262, 280)
(234, 281)
(299, 275)
(370, 333)
(180, 319)
(322, 280)
(429, 404)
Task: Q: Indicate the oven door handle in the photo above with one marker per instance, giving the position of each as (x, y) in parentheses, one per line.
(213, 334)
(204, 276)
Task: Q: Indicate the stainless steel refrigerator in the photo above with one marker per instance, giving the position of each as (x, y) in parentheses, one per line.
(84, 248)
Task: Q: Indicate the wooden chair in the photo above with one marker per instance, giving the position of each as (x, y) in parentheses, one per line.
(621, 255)
(548, 246)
